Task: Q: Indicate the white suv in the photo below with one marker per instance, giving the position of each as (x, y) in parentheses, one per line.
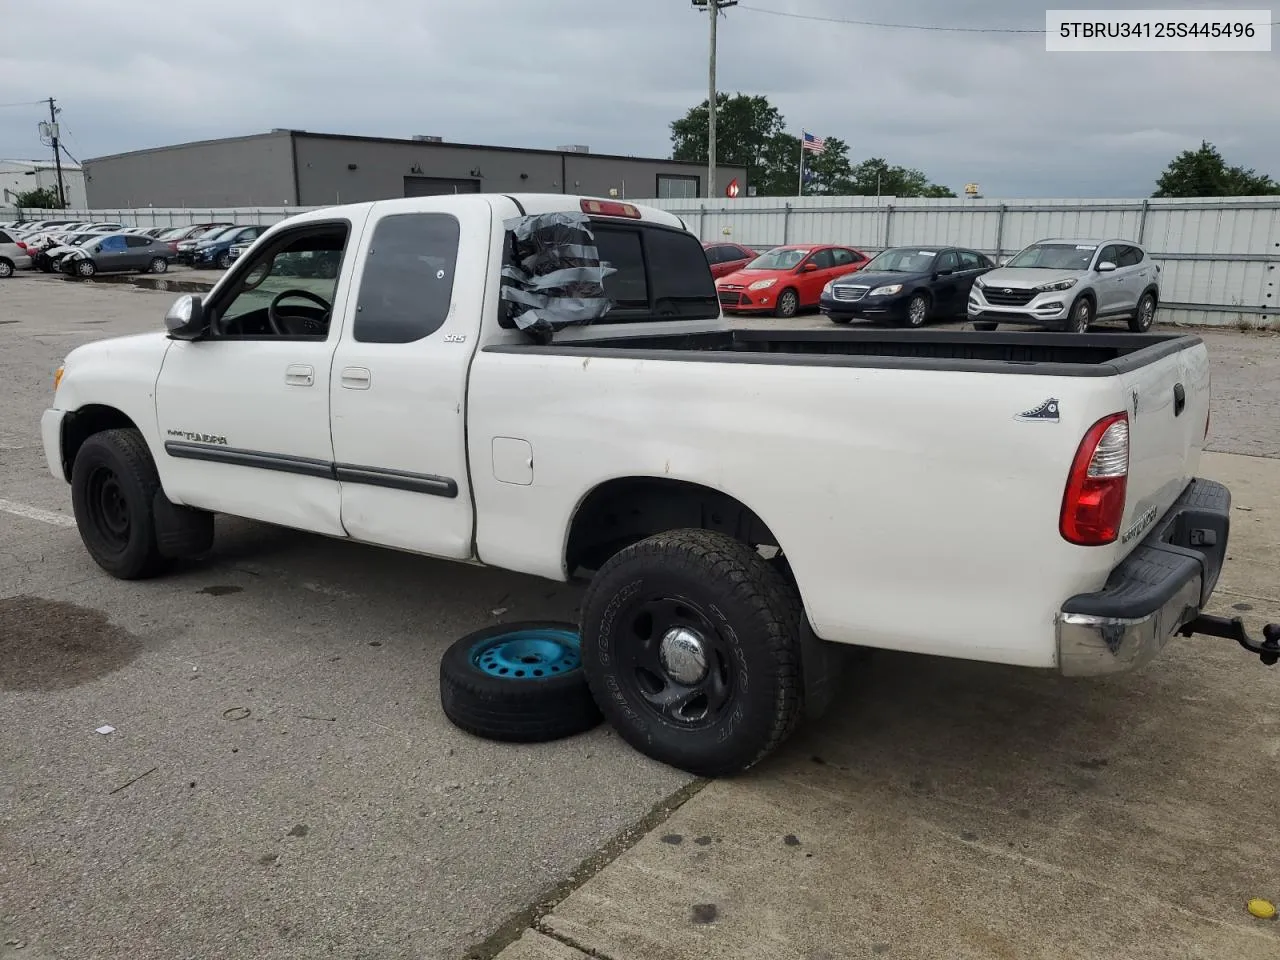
(1067, 285)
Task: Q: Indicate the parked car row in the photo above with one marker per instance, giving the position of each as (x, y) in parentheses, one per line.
(1060, 284)
(85, 249)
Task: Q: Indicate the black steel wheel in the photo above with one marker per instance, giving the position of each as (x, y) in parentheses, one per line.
(113, 487)
(691, 646)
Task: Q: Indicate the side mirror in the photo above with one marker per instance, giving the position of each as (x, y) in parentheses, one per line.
(185, 319)
(1106, 266)
(1003, 262)
(809, 268)
(944, 273)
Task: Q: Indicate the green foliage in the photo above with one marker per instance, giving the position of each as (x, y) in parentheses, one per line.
(1204, 173)
(751, 133)
(45, 198)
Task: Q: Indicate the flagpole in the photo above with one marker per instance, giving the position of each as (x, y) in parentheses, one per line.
(800, 188)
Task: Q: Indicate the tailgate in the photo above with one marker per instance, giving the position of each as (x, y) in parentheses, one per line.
(1168, 405)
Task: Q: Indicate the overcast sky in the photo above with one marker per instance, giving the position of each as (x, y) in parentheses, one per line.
(991, 108)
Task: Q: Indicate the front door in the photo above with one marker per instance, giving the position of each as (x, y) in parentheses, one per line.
(400, 376)
(946, 291)
(244, 412)
(1110, 286)
(809, 283)
(111, 253)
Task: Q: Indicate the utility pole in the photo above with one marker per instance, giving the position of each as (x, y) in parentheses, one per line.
(713, 8)
(57, 153)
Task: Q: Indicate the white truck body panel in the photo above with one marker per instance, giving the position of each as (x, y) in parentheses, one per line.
(917, 511)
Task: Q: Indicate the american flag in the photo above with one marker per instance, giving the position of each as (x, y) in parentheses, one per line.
(814, 144)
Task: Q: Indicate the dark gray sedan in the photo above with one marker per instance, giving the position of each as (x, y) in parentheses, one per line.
(117, 253)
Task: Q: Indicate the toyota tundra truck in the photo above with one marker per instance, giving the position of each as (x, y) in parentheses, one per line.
(742, 503)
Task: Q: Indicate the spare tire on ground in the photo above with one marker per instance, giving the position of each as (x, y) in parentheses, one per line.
(518, 683)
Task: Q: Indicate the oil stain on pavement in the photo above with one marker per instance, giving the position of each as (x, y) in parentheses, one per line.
(54, 645)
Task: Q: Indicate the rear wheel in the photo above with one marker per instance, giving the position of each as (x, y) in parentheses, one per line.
(1145, 316)
(113, 486)
(1081, 316)
(691, 644)
(788, 304)
(6, 268)
(159, 265)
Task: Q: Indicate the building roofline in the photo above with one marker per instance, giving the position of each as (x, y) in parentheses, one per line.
(189, 143)
(306, 134)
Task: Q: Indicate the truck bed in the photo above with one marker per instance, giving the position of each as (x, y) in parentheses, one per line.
(1047, 354)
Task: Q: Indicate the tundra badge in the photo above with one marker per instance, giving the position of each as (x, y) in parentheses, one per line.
(1047, 412)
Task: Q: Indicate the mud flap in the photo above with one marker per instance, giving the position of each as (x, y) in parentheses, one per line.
(181, 532)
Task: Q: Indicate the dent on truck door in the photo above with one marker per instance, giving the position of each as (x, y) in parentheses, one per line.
(244, 414)
(400, 378)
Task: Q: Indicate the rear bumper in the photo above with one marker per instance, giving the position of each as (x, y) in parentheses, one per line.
(1163, 584)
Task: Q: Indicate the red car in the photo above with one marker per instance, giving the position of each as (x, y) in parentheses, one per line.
(727, 258)
(787, 279)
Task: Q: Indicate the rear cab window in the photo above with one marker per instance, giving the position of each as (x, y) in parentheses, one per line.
(659, 273)
(407, 287)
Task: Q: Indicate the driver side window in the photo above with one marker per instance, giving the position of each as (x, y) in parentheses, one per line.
(285, 290)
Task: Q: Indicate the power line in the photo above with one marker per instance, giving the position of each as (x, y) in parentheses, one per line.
(932, 28)
(24, 103)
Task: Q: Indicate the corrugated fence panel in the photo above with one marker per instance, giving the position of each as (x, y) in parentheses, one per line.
(1219, 256)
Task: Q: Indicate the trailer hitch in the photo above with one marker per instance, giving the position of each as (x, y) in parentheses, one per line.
(1267, 649)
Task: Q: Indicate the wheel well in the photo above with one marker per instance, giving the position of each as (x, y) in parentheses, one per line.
(624, 511)
(79, 426)
(1154, 291)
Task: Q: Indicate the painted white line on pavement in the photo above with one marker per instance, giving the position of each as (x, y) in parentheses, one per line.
(35, 513)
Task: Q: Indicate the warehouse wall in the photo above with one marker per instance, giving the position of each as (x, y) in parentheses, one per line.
(242, 171)
(381, 166)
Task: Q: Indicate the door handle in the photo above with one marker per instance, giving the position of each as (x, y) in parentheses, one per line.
(356, 378)
(1179, 399)
(299, 375)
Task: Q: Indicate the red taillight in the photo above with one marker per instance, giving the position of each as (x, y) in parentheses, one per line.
(610, 208)
(21, 245)
(1093, 504)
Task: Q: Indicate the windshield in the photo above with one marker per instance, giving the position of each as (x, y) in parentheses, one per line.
(171, 233)
(84, 238)
(1055, 256)
(778, 260)
(901, 260)
(218, 233)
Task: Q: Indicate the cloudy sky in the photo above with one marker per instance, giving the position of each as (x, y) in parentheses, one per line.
(992, 108)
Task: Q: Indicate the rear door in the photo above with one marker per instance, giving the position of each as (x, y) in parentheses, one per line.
(137, 253)
(400, 373)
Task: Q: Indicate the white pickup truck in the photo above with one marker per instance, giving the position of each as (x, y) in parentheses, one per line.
(736, 497)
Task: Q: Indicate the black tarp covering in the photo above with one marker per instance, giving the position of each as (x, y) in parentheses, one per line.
(553, 277)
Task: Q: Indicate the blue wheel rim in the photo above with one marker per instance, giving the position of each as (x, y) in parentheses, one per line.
(534, 654)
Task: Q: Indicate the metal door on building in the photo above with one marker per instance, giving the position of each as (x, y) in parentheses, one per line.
(438, 186)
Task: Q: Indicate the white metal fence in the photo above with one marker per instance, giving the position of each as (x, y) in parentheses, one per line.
(1218, 257)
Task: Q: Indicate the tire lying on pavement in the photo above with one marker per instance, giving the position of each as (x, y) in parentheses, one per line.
(518, 683)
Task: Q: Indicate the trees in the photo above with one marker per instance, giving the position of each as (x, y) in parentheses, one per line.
(751, 132)
(1204, 173)
(43, 198)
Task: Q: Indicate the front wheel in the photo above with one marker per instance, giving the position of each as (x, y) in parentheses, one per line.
(1081, 316)
(1145, 316)
(113, 486)
(86, 268)
(986, 326)
(224, 262)
(691, 644)
(788, 304)
(835, 319)
(918, 310)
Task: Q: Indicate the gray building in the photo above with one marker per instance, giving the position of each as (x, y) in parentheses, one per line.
(295, 168)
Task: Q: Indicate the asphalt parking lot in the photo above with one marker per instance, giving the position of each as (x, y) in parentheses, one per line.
(281, 782)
